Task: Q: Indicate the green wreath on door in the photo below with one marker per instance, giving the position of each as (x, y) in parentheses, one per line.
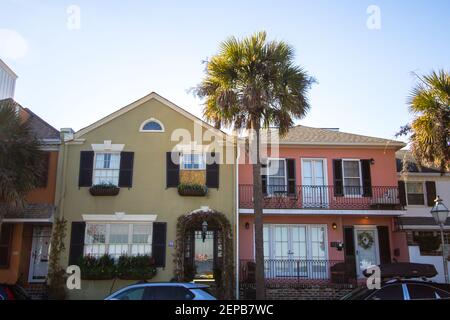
(365, 240)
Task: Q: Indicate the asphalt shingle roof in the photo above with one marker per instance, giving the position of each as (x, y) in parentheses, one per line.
(308, 135)
(412, 164)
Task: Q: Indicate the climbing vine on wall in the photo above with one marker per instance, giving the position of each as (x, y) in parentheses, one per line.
(56, 274)
(223, 273)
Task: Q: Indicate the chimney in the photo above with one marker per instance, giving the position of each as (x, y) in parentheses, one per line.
(66, 134)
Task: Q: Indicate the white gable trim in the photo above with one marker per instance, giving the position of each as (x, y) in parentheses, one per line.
(139, 102)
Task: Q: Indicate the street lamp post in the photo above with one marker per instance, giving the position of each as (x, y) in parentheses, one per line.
(440, 213)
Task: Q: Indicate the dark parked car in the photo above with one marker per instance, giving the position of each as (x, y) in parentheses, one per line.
(403, 284)
(13, 292)
(398, 289)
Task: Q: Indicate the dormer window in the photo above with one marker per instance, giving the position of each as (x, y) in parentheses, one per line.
(152, 125)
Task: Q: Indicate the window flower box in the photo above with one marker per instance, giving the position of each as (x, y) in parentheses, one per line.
(192, 190)
(93, 268)
(101, 190)
(136, 267)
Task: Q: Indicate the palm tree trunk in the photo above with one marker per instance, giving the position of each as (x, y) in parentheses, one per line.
(258, 212)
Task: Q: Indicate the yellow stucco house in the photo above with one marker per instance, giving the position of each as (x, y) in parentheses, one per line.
(149, 179)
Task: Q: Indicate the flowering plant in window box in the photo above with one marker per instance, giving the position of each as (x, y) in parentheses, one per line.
(192, 190)
(105, 189)
(140, 267)
(101, 268)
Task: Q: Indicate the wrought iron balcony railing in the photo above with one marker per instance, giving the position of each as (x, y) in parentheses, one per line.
(299, 271)
(323, 197)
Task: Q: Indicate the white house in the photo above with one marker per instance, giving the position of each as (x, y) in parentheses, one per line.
(418, 188)
(7, 81)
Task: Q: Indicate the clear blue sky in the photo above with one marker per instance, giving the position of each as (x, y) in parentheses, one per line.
(126, 49)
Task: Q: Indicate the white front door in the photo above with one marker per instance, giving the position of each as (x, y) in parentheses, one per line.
(39, 254)
(314, 189)
(367, 252)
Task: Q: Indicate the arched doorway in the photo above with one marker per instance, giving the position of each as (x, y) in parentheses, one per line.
(204, 249)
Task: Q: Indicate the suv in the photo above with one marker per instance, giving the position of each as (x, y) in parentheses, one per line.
(163, 291)
(400, 283)
(398, 289)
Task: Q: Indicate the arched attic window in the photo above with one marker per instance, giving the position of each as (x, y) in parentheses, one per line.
(152, 125)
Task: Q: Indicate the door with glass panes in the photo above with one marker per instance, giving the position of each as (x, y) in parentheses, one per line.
(294, 250)
(314, 190)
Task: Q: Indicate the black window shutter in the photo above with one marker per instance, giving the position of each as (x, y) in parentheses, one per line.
(212, 170)
(290, 163)
(349, 250)
(264, 178)
(383, 244)
(86, 168)
(337, 178)
(159, 243)
(172, 170)
(76, 242)
(431, 192)
(366, 178)
(402, 193)
(126, 169)
(5, 244)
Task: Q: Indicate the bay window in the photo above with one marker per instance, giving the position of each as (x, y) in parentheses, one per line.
(118, 239)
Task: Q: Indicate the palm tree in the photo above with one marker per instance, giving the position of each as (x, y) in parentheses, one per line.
(20, 159)
(429, 102)
(252, 84)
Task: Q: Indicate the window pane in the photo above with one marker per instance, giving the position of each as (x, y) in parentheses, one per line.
(351, 168)
(132, 294)
(118, 233)
(416, 199)
(193, 161)
(418, 292)
(95, 233)
(142, 233)
(414, 187)
(153, 126)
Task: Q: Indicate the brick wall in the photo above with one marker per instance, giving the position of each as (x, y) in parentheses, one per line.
(307, 292)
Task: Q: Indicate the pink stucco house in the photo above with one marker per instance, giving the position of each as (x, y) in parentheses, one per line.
(331, 203)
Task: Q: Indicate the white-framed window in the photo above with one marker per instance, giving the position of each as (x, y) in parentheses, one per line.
(152, 125)
(276, 176)
(415, 193)
(352, 177)
(193, 161)
(117, 239)
(106, 168)
(295, 241)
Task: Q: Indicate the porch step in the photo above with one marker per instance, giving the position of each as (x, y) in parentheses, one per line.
(37, 291)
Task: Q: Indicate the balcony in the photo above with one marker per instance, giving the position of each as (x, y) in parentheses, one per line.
(299, 271)
(323, 197)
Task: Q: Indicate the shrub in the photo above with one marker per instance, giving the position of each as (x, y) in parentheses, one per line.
(93, 268)
(141, 267)
(192, 189)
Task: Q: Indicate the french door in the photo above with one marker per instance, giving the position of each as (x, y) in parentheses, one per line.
(293, 250)
(314, 189)
(367, 251)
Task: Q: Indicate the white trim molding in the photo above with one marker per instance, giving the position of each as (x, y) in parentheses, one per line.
(20, 220)
(107, 146)
(119, 217)
(141, 128)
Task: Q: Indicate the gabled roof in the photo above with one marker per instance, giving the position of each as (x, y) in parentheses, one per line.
(413, 166)
(39, 127)
(137, 103)
(302, 135)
